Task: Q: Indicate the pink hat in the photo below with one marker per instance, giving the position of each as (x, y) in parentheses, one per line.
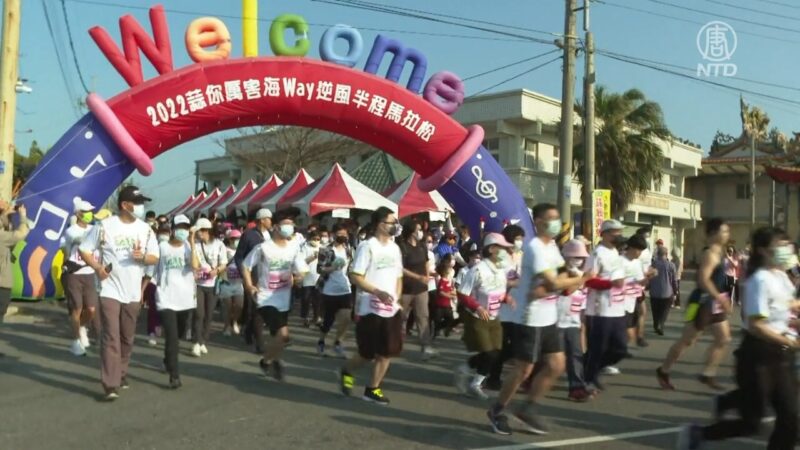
(496, 239)
(574, 249)
(234, 234)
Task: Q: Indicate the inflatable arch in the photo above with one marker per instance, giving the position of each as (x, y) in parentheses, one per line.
(126, 132)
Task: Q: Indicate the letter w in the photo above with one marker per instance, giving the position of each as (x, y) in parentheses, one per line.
(134, 38)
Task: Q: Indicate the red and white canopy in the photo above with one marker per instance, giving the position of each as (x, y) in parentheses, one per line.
(336, 190)
(297, 183)
(230, 203)
(264, 191)
(183, 205)
(411, 199)
(207, 206)
(199, 199)
(198, 207)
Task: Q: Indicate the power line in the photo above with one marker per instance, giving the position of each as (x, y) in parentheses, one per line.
(696, 22)
(496, 69)
(61, 65)
(787, 5)
(515, 76)
(722, 16)
(72, 47)
(755, 10)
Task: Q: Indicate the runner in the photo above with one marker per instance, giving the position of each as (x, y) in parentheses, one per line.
(445, 311)
(765, 360)
(309, 298)
(80, 283)
(377, 273)
(337, 296)
(10, 236)
(231, 290)
(415, 283)
(280, 266)
(571, 305)
(536, 336)
(709, 305)
(213, 259)
(640, 311)
(482, 292)
(251, 238)
(175, 292)
(126, 244)
(605, 307)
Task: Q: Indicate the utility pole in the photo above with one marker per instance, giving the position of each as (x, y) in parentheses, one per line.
(8, 94)
(588, 127)
(752, 180)
(567, 105)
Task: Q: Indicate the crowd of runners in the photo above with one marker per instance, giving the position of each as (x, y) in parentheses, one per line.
(527, 309)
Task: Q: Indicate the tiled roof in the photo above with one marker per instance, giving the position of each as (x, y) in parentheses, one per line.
(380, 171)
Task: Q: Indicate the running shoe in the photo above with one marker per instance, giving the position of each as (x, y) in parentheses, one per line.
(203, 349)
(499, 421)
(710, 382)
(277, 370)
(339, 350)
(236, 329)
(196, 352)
(610, 370)
(321, 348)
(475, 391)
(77, 349)
(123, 383)
(428, 353)
(84, 336)
(375, 396)
(642, 342)
(532, 422)
(461, 378)
(111, 395)
(346, 382)
(689, 438)
(264, 367)
(175, 383)
(151, 340)
(663, 380)
(579, 395)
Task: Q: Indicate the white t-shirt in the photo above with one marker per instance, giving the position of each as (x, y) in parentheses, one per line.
(115, 241)
(537, 259)
(233, 278)
(608, 265)
(507, 313)
(382, 266)
(487, 284)
(338, 283)
(276, 265)
(570, 308)
(71, 242)
(312, 276)
(211, 255)
(459, 278)
(769, 294)
(632, 290)
(646, 259)
(175, 285)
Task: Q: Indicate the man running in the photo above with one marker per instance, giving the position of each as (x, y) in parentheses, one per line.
(79, 279)
(126, 245)
(251, 238)
(377, 272)
(280, 265)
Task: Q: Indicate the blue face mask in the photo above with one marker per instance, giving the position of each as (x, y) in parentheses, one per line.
(286, 230)
(182, 235)
(554, 227)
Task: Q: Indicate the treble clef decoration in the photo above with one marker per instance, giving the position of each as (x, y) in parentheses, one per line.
(484, 189)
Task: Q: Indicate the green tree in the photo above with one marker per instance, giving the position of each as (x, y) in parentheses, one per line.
(25, 165)
(627, 155)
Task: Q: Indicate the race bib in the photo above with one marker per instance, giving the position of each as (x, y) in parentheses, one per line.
(204, 275)
(378, 306)
(233, 273)
(277, 281)
(495, 300)
(616, 295)
(716, 306)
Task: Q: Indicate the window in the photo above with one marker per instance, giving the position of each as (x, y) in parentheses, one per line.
(493, 146)
(531, 155)
(556, 154)
(743, 191)
(676, 185)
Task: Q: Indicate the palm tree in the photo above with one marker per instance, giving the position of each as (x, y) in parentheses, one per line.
(627, 155)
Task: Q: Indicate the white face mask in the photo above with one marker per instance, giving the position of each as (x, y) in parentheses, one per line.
(518, 244)
(325, 241)
(138, 211)
(418, 235)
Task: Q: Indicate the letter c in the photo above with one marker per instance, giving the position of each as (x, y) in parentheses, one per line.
(445, 91)
(277, 41)
(348, 33)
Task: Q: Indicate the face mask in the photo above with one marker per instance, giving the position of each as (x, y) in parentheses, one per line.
(553, 227)
(235, 243)
(325, 241)
(138, 211)
(782, 255)
(518, 244)
(394, 230)
(503, 258)
(574, 263)
(182, 235)
(163, 237)
(87, 217)
(362, 237)
(341, 240)
(314, 243)
(418, 235)
(430, 246)
(286, 230)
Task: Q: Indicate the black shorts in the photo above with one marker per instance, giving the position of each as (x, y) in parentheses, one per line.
(273, 318)
(333, 303)
(379, 336)
(530, 343)
(701, 313)
(632, 318)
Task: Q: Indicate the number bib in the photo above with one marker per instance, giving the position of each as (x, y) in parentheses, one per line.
(277, 281)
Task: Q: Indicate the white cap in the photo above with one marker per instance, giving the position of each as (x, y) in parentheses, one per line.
(203, 224)
(181, 220)
(611, 224)
(83, 205)
(263, 213)
(496, 239)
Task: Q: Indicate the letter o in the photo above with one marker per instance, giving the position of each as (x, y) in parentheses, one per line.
(205, 32)
(445, 91)
(277, 41)
(348, 33)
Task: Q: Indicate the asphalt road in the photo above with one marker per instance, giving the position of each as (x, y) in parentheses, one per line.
(50, 399)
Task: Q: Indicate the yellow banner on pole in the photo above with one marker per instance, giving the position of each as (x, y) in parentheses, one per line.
(601, 210)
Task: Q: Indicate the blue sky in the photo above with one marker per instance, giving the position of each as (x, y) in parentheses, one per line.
(693, 110)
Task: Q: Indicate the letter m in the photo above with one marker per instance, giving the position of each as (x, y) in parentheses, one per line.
(134, 38)
(383, 45)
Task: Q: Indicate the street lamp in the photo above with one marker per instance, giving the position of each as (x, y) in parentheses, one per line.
(21, 87)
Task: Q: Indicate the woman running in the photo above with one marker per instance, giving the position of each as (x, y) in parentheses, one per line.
(231, 289)
(337, 298)
(765, 361)
(708, 306)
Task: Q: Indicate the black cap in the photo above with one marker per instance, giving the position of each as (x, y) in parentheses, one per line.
(163, 228)
(132, 194)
